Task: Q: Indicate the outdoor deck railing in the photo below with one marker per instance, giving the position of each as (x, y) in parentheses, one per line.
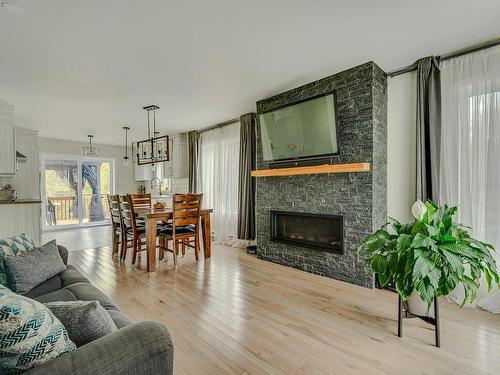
(66, 208)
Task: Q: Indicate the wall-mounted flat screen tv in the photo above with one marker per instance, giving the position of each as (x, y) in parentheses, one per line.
(306, 129)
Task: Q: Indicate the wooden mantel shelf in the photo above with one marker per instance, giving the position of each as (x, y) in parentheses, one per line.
(315, 169)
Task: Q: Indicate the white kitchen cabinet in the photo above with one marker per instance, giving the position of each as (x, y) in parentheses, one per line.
(177, 167)
(7, 149)
(143, 172)
(26, 181)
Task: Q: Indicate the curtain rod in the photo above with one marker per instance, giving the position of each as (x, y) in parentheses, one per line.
(463, 51)
(219, 125)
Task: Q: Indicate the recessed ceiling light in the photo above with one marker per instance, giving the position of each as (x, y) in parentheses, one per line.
(11, 7)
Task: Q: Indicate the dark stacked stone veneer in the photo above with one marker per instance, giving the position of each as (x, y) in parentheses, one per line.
(360, 197)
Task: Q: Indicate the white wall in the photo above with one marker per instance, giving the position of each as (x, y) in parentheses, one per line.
(401, 145)
(124, 175)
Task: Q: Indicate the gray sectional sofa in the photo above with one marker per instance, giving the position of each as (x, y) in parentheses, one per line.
(136, 348)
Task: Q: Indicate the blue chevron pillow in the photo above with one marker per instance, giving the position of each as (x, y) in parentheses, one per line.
(30, 334)
(13, 246)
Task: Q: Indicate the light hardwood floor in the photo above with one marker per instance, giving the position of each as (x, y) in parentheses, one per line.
(235, 314)
(80, 238)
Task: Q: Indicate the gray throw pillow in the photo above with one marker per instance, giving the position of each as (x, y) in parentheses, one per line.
(26, 270)
(85, 321)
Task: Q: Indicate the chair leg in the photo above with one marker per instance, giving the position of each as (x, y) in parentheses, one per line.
(115, 239)
(134, 257)
(122, 241)
(115, 244)
(176, 251)
(119, 245)
(183, 246)
(124, 249)
(162, 248)
(196, 246)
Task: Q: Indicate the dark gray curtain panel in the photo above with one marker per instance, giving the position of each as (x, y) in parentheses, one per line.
(246, 189)
(193, 150)
(428, 128)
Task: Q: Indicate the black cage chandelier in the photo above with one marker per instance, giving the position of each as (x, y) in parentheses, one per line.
(155, 149)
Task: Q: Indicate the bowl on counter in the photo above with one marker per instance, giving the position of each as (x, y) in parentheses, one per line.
(8, 195)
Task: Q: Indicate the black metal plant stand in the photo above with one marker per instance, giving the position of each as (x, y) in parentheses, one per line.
(404, 314)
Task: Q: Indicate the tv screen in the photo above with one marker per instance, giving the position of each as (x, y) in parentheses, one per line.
(300, 130)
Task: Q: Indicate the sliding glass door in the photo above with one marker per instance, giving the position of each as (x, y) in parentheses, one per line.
(74, 190)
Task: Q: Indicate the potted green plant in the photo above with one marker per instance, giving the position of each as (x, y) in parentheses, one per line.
(429, 257)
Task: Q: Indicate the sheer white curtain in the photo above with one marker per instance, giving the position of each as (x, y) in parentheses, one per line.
(470, 150)
(218, 179)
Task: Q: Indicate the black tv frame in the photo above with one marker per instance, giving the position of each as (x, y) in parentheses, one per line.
(310, 159)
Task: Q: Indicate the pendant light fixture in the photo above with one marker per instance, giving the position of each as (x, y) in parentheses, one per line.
(90, 151)
(155, 149)
(126, 160)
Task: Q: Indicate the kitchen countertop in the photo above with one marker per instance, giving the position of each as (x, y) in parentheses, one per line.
(21, 201)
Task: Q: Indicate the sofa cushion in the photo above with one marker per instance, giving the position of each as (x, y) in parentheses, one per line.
(65, 278)
(56, 295)
(78, 292)
(50, 285)
(63, 252)
(72, 276)
(85, 321)
(12, 246)
(30, 334)
(88, 292)
(120, 319)
(27, 270)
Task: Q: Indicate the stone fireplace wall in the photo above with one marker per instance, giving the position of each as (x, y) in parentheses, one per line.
(360, 197)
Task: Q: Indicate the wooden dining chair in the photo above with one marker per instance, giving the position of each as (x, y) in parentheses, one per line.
(116, 222)
(185, 226)
(138, 231)
(127, 225)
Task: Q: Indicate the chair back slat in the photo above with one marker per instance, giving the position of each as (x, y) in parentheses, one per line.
(140, 200)
(186, 206)
(184, 214)
(186, 210)
(187, 221)
(114, 209)
(138, 203)
(126, 212)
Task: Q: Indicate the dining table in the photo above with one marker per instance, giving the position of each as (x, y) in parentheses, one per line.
(152, 216)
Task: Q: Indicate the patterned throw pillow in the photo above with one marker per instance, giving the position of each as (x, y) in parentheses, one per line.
(12, 246)
(85, 321)
(30, 334)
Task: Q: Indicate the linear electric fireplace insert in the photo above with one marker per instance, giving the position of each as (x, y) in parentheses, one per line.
(315, 231)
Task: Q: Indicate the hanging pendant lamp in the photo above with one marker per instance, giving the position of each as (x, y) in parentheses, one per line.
(126, 160)
(90, 151)
(155, 149)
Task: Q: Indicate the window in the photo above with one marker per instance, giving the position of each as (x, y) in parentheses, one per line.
(218, 179)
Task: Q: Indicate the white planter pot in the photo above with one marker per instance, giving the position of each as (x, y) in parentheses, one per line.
(417, 306)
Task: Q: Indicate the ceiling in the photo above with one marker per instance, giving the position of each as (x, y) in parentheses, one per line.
(77, 67)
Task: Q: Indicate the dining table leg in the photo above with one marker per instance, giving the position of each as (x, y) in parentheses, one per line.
(151, 243)
(207, 233)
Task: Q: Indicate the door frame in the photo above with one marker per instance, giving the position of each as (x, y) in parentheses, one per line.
(44, 156)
